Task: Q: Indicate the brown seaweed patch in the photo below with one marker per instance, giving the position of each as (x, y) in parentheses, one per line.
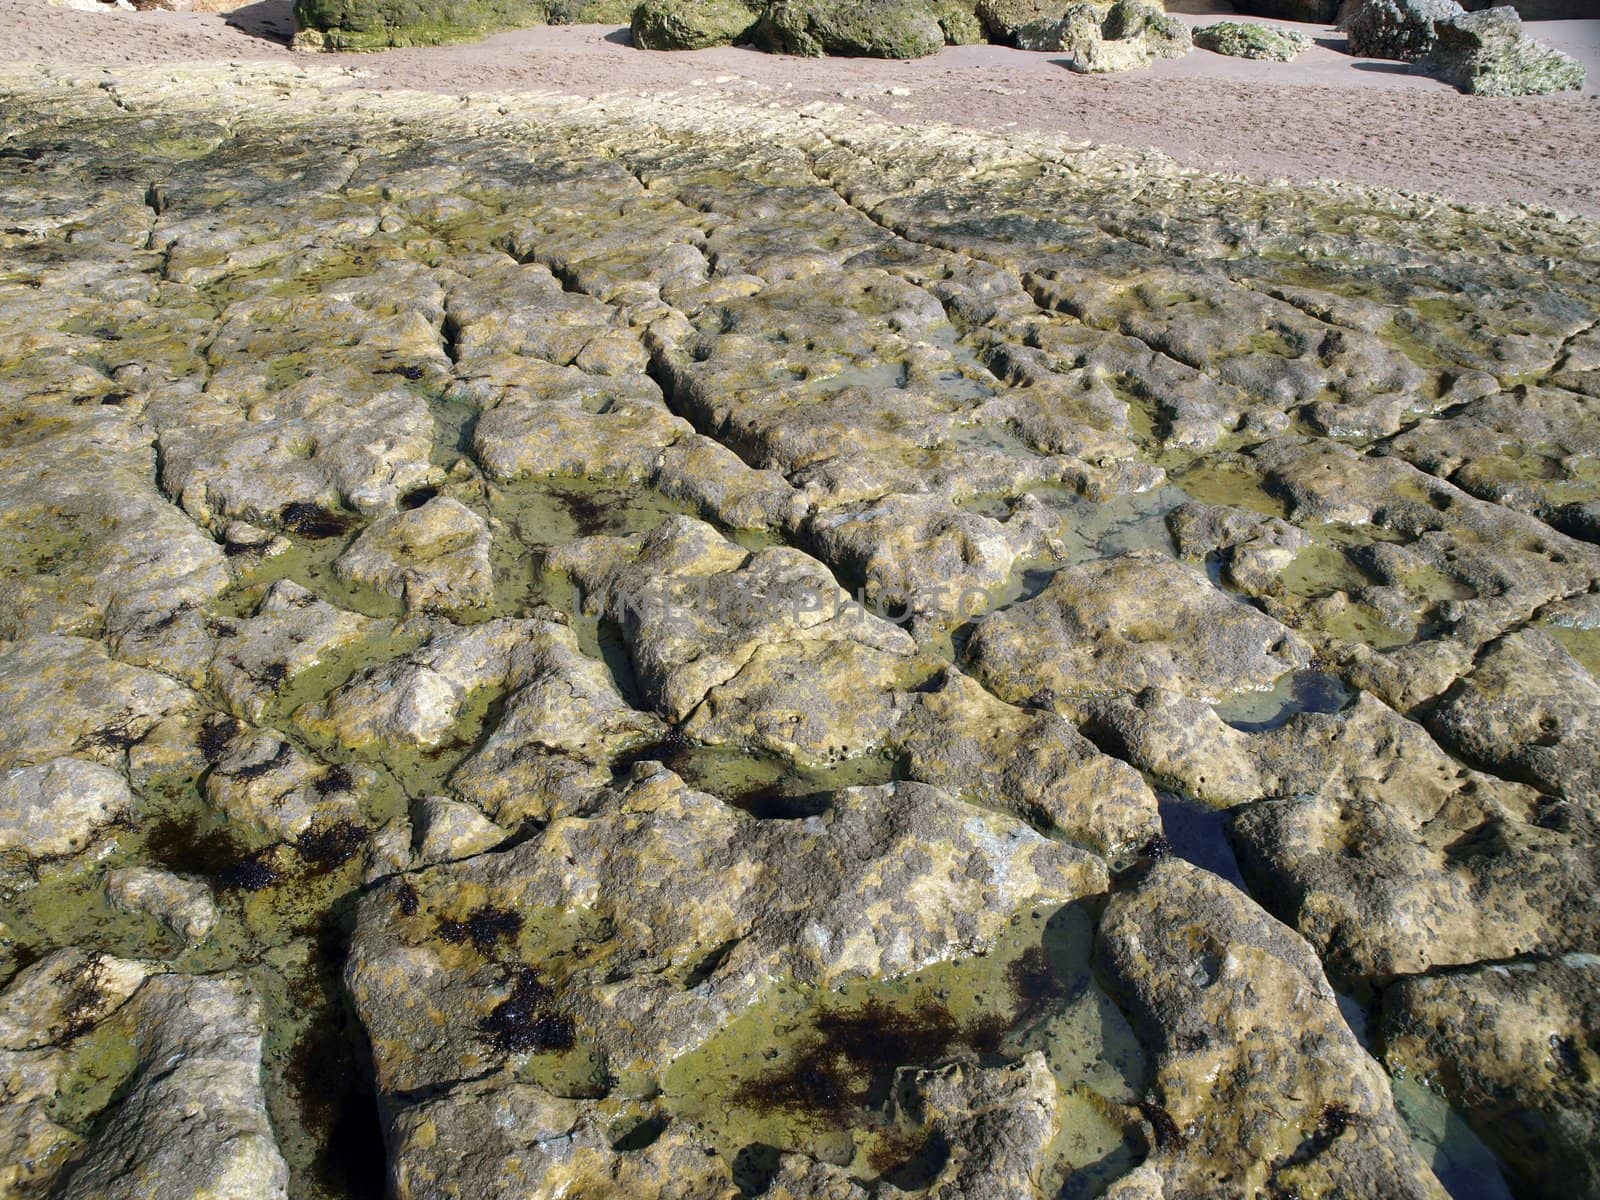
(182, 846)
(849, 1059)
(525, 1021)
(484, 927)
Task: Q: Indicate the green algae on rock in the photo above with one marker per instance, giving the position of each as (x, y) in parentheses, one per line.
(377, 24)
(474, 581)
(860, 28)
(1490, 54)
(1239, 40)
(690, 24)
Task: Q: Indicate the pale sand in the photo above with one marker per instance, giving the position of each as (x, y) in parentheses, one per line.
(1324, 116)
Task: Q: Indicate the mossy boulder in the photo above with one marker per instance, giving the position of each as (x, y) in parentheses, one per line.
(378, 24)
(959, 20)
(1239, 40)
(689, 24)
(1070, 32)
(1489, 54)
(854, 28)
(1002, 20)
(1402, 30)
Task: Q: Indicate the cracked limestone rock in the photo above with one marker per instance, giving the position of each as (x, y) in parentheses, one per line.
(199, 1041)
(58, 806)
(436, 556)
(1026, 762)
(1530, 711)
(292, 631)
(1513, 1047)
(763, 648)
(657, 884)
(451, 830)
(185, 906)
(1117, 626)
(1257, 1077)
(169, 1047)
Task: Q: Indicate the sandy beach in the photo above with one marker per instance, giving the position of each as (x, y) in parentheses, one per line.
(1327, 115)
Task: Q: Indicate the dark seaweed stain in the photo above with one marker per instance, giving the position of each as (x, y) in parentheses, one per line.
(484, 927)
(524, 1021)
(328, 847)
(910, 1161)
(849, 1060)
(313, 521)
(335, 780)
(80, 1011)
(418, 497)
(406, 900)
(180, 845)
(1162, 1125)
(591, 514)
(1034, 986)
(109, 737)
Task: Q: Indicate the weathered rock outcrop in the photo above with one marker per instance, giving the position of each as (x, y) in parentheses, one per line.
(864, 28)
(1258, 1080)
(690, 24)
(1397, 29)
(1490, 54)
(1238, 40)
(1514, 1048)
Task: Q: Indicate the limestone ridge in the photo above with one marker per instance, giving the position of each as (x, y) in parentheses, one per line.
(434, 744)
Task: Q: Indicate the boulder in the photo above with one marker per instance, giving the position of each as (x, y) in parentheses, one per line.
(1002, 20)
(1489, 54)
(1397, 29)
(1239, 40)
(689, 24)
(1128, 35)
(959, 20)
(376, 24)
(855, 28)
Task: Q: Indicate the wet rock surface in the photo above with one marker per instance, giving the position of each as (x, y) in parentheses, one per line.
(663, 649)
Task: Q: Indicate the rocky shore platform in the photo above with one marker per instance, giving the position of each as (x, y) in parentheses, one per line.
(681, 648)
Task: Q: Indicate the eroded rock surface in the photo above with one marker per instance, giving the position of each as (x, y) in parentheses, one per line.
(666, 635)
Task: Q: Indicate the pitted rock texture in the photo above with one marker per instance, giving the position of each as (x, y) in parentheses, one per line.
(664, 634)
